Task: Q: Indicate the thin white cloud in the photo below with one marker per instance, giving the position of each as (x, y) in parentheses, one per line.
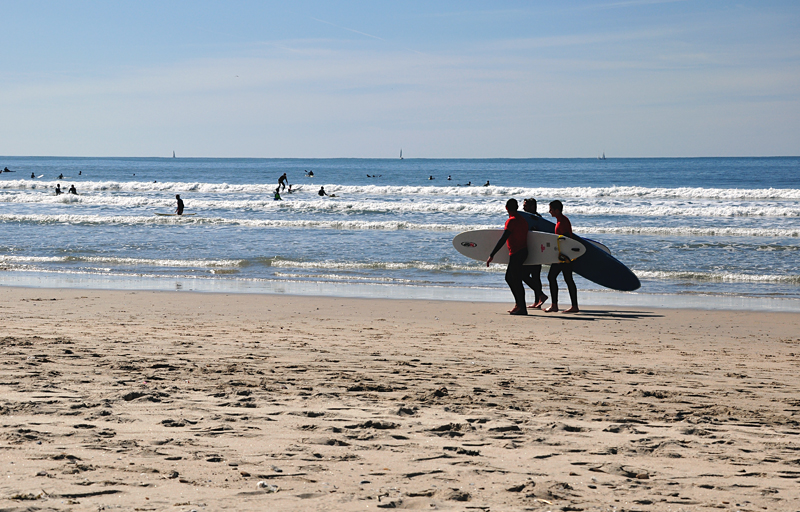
(349, 29)
(628, 3)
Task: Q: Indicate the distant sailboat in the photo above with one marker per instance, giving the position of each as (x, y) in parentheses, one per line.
(602, 157)
(401, 154)
(173, 154)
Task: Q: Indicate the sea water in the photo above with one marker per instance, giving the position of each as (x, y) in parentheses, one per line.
(705, 232)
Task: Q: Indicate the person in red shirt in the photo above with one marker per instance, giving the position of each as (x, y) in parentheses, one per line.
(516, 235)
(563, 227)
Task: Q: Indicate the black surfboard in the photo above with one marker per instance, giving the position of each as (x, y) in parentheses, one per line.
(596, 265)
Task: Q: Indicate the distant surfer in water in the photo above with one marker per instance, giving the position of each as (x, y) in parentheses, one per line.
(534, 272)
(72, 190)
(563, 227)
(61, 176)
(309, 174)
(322, 192)
(283, 181)
(179, 209)
(516, 234)
(58, 189)
(33, 176)
(277, 194)
(486, 184)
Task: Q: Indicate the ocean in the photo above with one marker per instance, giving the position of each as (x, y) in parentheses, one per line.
(698, 232)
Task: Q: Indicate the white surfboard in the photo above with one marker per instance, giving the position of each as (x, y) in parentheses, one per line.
(175, 214)
(543, 248)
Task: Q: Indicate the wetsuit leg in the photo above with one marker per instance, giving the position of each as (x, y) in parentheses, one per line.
(555, 269)
(534, 280)
(573, 290)
(514, 276)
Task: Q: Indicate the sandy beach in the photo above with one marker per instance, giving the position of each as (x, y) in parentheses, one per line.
(189, 401)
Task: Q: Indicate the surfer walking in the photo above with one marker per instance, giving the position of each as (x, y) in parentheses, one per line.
(563, 227)
(534, 272)
(179, 209)
(516, 236)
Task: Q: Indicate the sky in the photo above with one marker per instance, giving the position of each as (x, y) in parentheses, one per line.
(365, 79)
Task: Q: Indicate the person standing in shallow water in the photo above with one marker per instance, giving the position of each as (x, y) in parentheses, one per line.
(563, 227)
(179, 209)
(516, 235)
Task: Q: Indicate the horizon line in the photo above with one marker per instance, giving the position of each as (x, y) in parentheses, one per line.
(401, 159)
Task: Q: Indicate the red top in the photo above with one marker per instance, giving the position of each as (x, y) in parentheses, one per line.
(563, 226)
(518, 233)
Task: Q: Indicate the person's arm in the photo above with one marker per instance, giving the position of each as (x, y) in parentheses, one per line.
(497, 247)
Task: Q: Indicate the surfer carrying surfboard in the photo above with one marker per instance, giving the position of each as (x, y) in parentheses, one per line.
(563, 227)
(516, 235)
(534, 272)
(179, 209)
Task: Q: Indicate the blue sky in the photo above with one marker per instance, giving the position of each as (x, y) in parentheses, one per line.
(439, 79)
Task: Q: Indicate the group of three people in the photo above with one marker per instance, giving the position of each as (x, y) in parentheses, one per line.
(517, 273)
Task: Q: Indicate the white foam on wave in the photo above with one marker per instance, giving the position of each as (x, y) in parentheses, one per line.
(369, 206)
(121, 261)
(254, 223)
(727, 194)
(691, 231)
(378, 265)
(718, 277)
(348, 278)
(389, 225)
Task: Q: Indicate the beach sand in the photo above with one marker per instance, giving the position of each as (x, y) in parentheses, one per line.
(188, 401)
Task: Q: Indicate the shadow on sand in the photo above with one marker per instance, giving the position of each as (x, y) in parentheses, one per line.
(598, 314)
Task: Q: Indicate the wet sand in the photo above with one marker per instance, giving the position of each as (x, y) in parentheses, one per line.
(188, 401)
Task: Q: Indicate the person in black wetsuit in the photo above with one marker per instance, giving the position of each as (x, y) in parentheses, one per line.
(282, 181)
(72, 190)
(58, 189)
(33, 176)
(534, 272)
(563, 227)
(179, 209)
(515, 235)
(322, 191)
